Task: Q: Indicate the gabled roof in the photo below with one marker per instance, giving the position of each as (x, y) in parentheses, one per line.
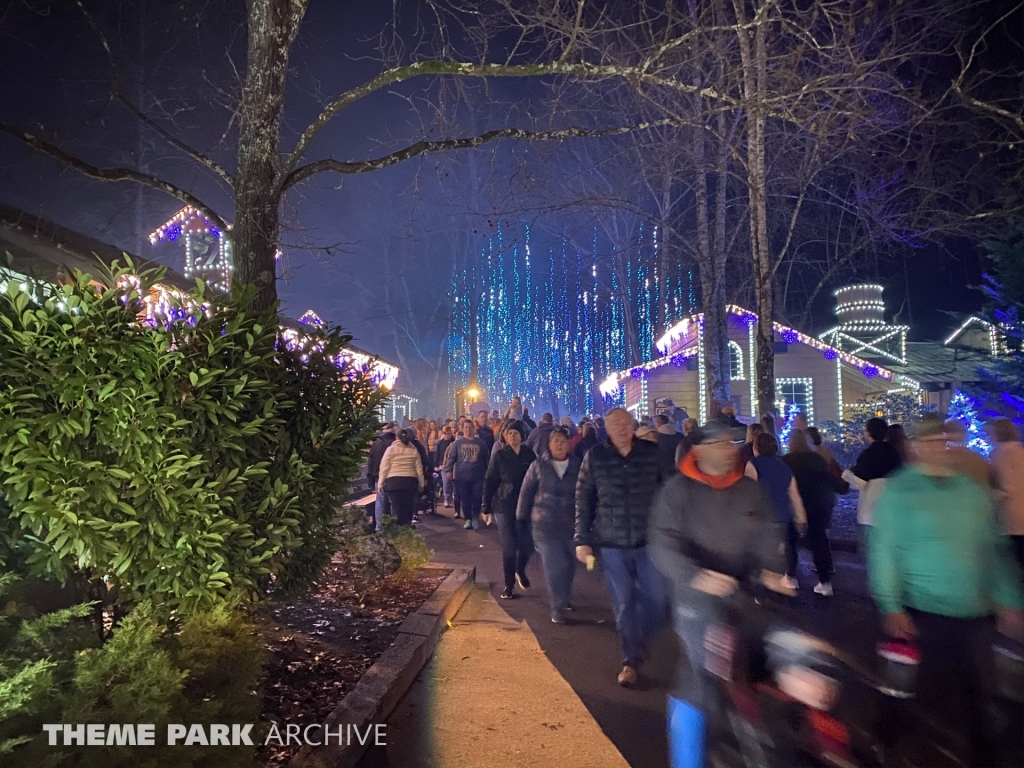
(42, 248)
(932, 363)
(682, 328)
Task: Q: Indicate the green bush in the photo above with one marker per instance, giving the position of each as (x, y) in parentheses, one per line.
(181, 461)
(209, 671)
(411, 547)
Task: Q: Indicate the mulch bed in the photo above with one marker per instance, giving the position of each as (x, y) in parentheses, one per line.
(319, 647)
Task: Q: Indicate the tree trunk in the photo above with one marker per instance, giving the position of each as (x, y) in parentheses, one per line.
(272, 26)
(755, 73)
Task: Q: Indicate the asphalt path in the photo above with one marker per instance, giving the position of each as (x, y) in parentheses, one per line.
(586, 651)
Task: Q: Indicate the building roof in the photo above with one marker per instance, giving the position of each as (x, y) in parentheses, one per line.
(41, 248)
(934, 363)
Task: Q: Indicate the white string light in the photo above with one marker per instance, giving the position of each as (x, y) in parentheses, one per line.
(805, 381)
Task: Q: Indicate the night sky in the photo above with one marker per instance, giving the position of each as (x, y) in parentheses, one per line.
(338, 231)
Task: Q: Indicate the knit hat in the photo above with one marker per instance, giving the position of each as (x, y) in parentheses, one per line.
(715, 430)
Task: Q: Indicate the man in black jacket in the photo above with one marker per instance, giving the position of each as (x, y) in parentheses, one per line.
(668, 437)
(381, 506)
(617, 483)
(711, 528)
(502, 484)
(876, 462)
(439, 453)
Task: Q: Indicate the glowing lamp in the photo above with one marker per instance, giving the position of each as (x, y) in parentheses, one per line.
(473, 392)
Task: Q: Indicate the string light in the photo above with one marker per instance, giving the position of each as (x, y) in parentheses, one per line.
(808, 384)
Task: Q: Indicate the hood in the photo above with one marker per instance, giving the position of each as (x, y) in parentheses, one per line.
(688, 466)
(667, 429)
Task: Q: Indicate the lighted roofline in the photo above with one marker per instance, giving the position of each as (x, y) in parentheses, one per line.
(665, 342)
(845, 288)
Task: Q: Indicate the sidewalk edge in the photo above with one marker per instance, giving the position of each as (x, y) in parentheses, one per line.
(384, 684)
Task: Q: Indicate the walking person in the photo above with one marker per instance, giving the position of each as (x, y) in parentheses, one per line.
(515, 411)
(668, 437)
(1008, 466)
(818, 487)
(401, 476)
(875, 463)
(538, 439)
(676, 416)
(588, 439)
(502, 484)
(842, 486)
(777, 481)
(938, 569)
(617, 483)
(747, 449)
(467, 463)
(548, 502)
(484, 430)
(440, 450)
(711, 528)
(384, 440)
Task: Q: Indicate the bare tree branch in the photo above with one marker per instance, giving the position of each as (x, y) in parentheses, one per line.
(445, 145)
(111, 174)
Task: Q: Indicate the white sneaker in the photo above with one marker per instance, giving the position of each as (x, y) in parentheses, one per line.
(789, 582)
(825, 590)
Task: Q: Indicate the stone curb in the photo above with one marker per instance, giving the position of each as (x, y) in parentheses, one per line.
(384, 684)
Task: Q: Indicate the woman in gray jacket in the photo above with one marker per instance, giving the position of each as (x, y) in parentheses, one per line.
(548, 500)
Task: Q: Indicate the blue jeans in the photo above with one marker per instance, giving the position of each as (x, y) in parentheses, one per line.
(381, 507)
(559, 558)
(638, 593)
(472, 495)
(686, 734)
(448, 485)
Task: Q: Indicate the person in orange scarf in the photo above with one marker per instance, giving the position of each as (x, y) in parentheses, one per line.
(710, 529)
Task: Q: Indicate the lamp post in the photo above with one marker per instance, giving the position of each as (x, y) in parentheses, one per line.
(466, 396)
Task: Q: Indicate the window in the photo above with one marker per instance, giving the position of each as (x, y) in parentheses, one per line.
(735, 361)
(799, 391)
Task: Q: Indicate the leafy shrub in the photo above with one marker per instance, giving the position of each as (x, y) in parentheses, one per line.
(411, 547)
(847, 440)
(182, 461)
(37, 653)
(207, 672)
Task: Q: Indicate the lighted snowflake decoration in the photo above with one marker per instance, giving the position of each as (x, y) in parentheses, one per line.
(173, 231)
(870, 371)
(790, 336)
(637, 373)
(831, 354)
(678, 360)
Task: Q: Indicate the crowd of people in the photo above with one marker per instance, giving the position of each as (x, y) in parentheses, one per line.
(679, 514)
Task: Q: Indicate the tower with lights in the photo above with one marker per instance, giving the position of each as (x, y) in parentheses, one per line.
(862, 329)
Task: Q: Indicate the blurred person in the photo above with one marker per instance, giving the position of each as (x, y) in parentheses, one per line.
(668, 437)
(817, 486)
(538, 439)
(567, 423)
(800, 422)
(689, 432)
(617, 483)
(897, 438)
(768, 424)
(467, 462)
(602, 433)
(588, 439)
(384, 440)
(842, 486)
(938, 569)
(484, 431)
(747, 449)
(647, 433)
(502, 483)
(875, 463)
(547, 502)
(1008, 465)
(676, 416)
(440, 450)
(727, 415)
(515, 410)
(433, 435)
(401, 476)
(530, 423)
(779, 485)
(710, 529)
(963, 459)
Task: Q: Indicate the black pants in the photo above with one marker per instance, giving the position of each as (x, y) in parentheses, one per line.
(821, 550)
(516, 545)
(403, 505)
(792, 538)
(955, 678)
(1017, 545)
